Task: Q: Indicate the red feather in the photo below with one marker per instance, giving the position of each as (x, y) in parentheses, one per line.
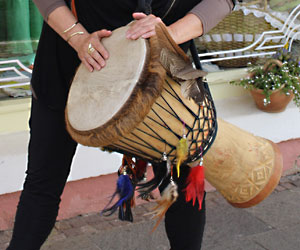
(141, 167)
(195, 185)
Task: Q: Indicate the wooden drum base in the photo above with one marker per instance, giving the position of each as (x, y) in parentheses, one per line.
(271, 184)
(244, 168)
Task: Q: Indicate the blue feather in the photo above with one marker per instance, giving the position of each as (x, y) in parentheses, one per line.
(125, 192)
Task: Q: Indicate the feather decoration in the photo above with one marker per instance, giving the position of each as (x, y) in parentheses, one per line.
(184, 72)
(163, 170)
(188, 72)
(195, 185)
(177, 67)
(169, 196)
(181, 152)
(140, 167)
(125, 212)
(147, 196)
(193, 89)
(125, 192)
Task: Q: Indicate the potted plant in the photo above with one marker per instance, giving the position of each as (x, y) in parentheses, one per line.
(274, 84)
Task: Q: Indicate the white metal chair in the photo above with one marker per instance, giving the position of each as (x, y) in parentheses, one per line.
(286, 35)
(19, 77)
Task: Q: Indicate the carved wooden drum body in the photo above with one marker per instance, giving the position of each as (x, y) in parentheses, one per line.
(131, 106)
(244, 168)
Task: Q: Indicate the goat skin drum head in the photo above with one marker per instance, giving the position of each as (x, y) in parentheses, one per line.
(94, 98)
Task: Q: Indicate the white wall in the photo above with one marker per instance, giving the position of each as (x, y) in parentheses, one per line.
(87, 162)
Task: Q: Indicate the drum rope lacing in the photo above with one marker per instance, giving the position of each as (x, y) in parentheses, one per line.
(201, 120)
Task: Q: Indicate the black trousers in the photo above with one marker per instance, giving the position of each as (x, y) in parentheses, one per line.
(51, 151)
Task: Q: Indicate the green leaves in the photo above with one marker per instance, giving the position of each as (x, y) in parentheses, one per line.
(275, 77)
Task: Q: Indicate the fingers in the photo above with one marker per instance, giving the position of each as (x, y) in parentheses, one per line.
(149, 34)
(87, 65)
(100, 48)
(93, 53)
(138, 15)
(95, 60)
(143, 27)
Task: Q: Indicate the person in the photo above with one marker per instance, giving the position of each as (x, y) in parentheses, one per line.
(65, 42)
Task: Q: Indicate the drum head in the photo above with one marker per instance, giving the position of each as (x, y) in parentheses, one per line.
(95, 98)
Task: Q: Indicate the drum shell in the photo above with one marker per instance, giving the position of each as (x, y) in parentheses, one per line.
(244, 168)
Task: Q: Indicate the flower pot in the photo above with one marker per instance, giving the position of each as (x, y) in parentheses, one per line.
(279, 100)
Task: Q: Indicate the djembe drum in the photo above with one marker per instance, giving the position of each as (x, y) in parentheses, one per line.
(132, 106)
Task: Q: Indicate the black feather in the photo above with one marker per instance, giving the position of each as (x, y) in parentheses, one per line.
(127, 214)
(163, 170)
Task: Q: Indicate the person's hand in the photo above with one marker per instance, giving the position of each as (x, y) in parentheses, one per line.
(90, 49)
(144, 26)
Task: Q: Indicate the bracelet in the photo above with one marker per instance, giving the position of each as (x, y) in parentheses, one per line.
(75, 34)
(68, 29)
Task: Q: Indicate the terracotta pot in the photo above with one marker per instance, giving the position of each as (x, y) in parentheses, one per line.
(279, 100)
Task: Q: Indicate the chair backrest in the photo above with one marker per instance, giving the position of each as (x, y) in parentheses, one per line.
(281, 38)
(13, 73)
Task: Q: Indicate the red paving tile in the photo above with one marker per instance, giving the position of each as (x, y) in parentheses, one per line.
(290, 150)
